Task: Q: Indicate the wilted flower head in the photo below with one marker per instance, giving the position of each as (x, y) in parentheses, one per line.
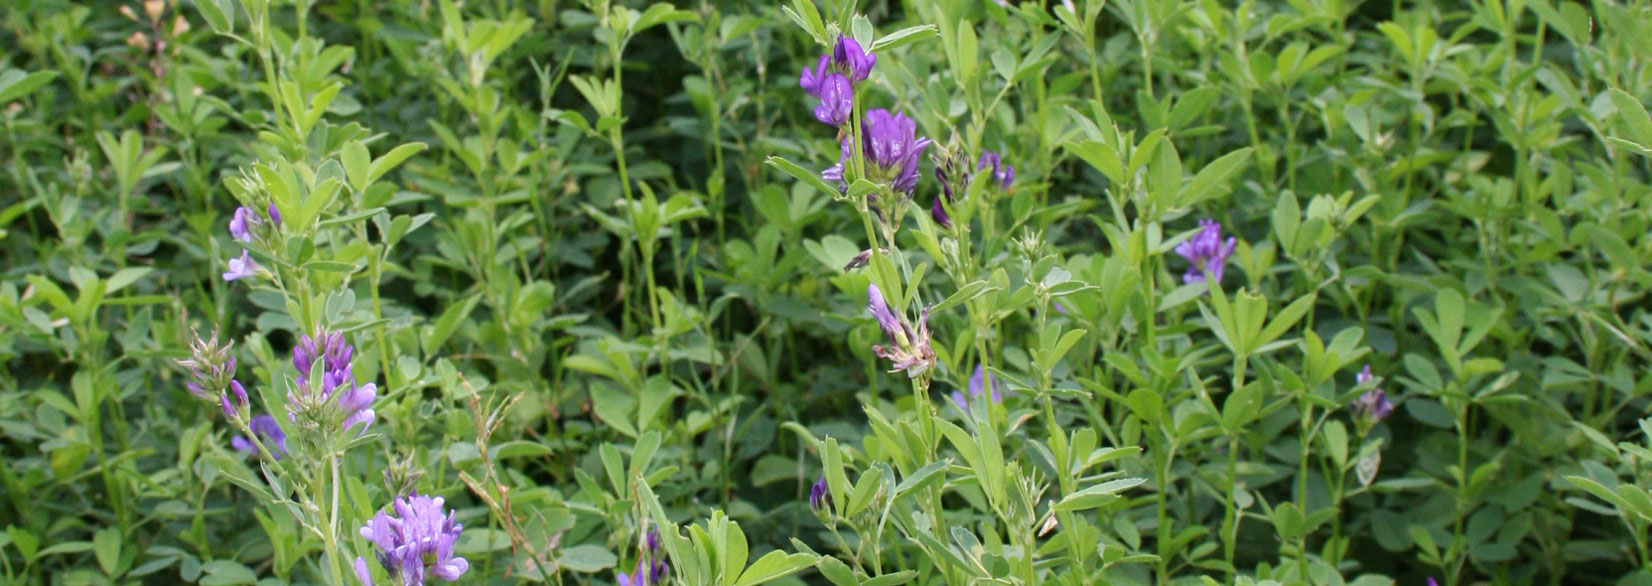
(908, 346)
(335, 397)
(401, 474)
(416, 541)
(269, 433)
(891, 147)
(1206, 252)
(820, 495)
(1373, 406)
(954, 175)
(979, 384)
(212, 374)
(1001, 172)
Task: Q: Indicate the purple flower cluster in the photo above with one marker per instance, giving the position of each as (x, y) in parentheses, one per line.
(833, 80)
(417, 541)
(979, 383)
(651, 567)
(336, 396)
(1373, 406)
(820, 496)
(1001, 172)
(269, 433)
(946, 172)
(908, 346)
(892, 149)
(244, 226)
(1206, 252)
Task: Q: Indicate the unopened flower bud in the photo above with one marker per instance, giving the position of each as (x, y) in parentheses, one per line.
(138, 41)
(154, 8)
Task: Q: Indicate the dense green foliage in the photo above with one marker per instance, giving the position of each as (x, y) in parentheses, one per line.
(584, 252)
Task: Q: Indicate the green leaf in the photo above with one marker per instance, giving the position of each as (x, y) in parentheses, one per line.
(774, 565)
(1284, 320)
(801, 174)
(393, 158)
(356, 161)
(661, 13)
(1210, 180)
(1098, 495)
(1630, 110)
(106, 546)
(15, 84)
(125, 277)
(587, 558)
(923, 477)
(328, 266)
(964, 294)
(226, 572)
(807, 17)
(905, 36)
(1102, 156)
(67, 547)
(218, 16)
(870, 481)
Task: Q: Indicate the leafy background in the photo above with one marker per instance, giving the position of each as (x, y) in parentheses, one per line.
(1455, 192)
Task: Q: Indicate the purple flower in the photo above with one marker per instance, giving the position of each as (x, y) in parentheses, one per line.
(879, 307)
(417, 541)
(1003, 173)
(1431, 581)
(837, 100)
(1206, 252)
(339, 395)
(241, 267)
(243, 226)
(651, 566)
(891, 147)
(937, 211)
(239, 222)
(908, 345)
(269, 432)
(657, 570)
(820, 496)
(848, 56)
(1373, 406)
(637, 577)
(891, 144)
(978, 386)
(833, 80)
(362, 573)
(240, 392)
(811, 78)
